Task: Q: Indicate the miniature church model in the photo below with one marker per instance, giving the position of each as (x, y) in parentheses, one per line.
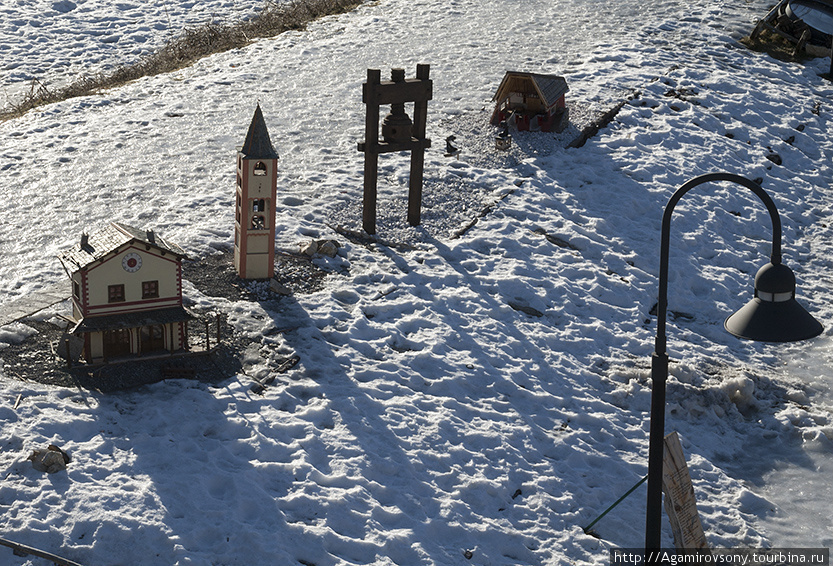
(257, 182)
(126, 293)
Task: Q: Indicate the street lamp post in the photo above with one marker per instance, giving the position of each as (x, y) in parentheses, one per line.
(773, 315)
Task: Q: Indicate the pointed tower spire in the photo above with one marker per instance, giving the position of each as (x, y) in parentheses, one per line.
(257, 144)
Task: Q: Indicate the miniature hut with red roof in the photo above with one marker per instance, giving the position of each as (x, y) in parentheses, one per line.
(529, 101)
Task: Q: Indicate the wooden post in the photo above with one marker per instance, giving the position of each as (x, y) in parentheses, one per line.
(802, 41)
(218, 329)
(830, 73)
(207, 338)
(69, 355)
(371, 152)
(418, 153)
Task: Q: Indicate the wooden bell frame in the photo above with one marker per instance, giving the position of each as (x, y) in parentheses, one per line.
(376, 93)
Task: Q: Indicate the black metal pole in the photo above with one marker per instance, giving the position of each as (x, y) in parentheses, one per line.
(653, 513)
(659, 360)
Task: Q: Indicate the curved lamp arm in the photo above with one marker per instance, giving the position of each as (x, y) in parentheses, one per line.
(775, 256)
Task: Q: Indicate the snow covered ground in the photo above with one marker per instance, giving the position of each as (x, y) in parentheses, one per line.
(54, 42)
(431, 419)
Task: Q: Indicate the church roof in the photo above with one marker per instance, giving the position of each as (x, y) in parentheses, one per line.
(107, 240)
(257, 144)
(549, 88)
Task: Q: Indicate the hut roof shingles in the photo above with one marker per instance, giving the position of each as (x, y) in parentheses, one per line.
(549, 87)
(109, 239)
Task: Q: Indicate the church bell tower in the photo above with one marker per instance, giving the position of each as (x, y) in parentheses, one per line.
(257, 187)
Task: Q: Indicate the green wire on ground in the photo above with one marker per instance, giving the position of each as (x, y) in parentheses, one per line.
(618, 501)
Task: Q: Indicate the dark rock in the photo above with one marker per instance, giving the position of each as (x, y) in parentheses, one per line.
(51, 460)
(525, 309)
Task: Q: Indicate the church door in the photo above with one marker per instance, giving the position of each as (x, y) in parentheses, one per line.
(152, 338)
(116, 343)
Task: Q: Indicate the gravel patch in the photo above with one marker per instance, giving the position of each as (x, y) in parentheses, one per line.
(34, 359)
(451, 202)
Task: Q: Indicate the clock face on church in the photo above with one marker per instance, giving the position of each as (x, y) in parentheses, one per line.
(131, 262)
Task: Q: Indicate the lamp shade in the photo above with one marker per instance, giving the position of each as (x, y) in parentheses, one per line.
(774, 315)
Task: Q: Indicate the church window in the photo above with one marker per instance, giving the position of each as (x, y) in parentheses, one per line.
(258, 205)
(260, 169)
(150, 289)
(258, 222)
(115, 293)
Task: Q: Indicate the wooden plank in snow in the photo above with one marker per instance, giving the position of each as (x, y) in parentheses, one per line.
(680, 504)
(24, 550)
(33, 303)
